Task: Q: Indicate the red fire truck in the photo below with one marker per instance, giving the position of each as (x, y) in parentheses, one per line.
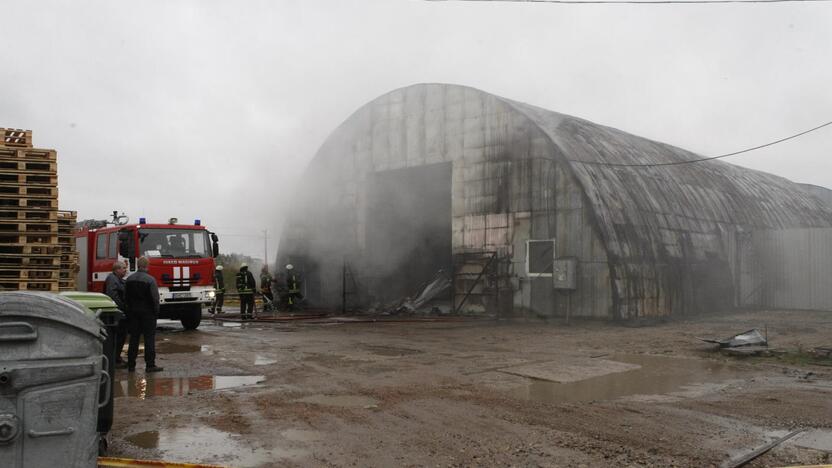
(181, 260)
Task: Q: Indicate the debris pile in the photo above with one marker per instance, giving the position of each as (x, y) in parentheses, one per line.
(747, 343)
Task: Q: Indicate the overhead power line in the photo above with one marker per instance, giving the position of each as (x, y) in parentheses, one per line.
(634, 2)
(692, 161)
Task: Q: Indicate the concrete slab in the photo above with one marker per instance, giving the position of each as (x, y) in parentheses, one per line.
(816, 439)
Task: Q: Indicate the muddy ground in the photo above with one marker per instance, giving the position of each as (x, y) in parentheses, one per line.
(479, 393)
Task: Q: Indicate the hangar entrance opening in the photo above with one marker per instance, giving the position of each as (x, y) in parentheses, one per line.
(408, 230)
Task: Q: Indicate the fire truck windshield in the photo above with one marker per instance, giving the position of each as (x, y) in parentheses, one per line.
(174, 243)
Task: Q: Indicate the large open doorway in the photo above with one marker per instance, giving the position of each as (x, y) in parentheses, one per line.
(408, 230)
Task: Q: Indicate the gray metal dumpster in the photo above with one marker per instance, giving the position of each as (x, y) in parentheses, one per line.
(51, 368)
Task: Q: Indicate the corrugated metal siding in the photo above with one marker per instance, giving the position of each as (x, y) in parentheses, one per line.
(664, 227)
(786, 269)
(822, 193)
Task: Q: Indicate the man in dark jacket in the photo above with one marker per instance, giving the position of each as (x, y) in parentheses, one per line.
(114, 287)
(142, 310)
(245, 288)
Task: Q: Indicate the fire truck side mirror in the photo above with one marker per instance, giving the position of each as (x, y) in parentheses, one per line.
(215, 246)
(126, 246)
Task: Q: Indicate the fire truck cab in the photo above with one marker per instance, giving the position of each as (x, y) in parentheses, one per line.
(181, 260)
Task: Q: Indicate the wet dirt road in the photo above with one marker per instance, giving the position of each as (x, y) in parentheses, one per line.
(478, 394)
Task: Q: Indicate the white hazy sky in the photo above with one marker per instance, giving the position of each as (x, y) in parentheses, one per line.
(212, 109)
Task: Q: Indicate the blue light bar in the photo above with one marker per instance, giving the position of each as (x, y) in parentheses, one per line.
(142, 221)
(197, 222)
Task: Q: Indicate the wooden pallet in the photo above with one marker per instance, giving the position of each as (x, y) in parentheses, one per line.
(16, 137)
(7, 202)
(28, 191)
(43, 286)
(28, 166)
(27, 274)
(30, 154)
(28, 239)
(29, 227)
(67, 275)
(30, 249)
(69, 257)
(15, 213)
(46, 262)
(41, 178)
(66, 231)
(68, 216)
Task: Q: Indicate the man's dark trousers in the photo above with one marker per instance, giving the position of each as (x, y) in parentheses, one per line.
(144, 325)
(246, 306)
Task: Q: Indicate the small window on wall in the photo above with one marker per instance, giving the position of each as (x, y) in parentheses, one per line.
(101, 246)
(540, 256)
(113, 250)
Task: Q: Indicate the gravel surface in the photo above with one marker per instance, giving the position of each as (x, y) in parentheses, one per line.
(457, 394)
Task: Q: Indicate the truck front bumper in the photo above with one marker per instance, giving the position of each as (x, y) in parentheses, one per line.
(196, 295)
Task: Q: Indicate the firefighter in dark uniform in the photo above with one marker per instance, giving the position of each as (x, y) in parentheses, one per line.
(219, 287)
(266, 285)
(293, 295)
(245, 288)
(142, 300)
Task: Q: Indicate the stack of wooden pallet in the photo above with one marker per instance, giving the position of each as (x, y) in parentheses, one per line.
(69, 256)
(30, 255)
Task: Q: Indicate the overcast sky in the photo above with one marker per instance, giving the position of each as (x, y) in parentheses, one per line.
(212, 109)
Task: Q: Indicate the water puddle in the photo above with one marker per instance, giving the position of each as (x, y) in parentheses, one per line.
(263, 361)
(656, 375)
(167, 346)
(170, 347)
(344, 401)
(143, 387)
(145, 440)
(208, 445)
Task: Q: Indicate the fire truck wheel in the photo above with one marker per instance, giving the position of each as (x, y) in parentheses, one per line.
(190, 318)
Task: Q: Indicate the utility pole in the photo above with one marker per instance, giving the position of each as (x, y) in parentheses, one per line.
(266, 247)
(344, 287)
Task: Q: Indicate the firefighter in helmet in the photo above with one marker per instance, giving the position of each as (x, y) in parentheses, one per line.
(245, 288)
(293, 295)
(266, 285)
(219, 286)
